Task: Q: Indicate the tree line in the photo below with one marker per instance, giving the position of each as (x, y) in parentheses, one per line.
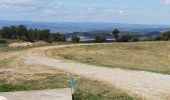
(23, 33)
(28, 34)
(116, 34)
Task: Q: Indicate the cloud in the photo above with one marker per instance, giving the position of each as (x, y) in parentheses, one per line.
(18, 2)
(167, 2)
(52, 10)
(115, 11)
(88, 0)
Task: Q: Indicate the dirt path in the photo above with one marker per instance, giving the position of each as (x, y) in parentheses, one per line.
(152, 86)
(58, 94)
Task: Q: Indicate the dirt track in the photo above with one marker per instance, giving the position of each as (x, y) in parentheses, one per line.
(58, 94)
(152, 86)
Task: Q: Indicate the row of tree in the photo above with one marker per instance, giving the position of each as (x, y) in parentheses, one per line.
(117, 36)
(23, 33)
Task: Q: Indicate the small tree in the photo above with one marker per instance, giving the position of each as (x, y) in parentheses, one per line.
(115, 33)
(100, 39)
(22, 31)
(75, 38)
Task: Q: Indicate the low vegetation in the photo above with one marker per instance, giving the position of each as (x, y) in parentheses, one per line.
(100, 39)
(16, 76)
(164, 36)
(149, 56)
(75, 39)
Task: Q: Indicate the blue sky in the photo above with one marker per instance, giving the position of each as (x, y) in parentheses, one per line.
(117, 11)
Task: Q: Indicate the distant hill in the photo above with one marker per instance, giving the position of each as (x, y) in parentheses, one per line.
(68, 27)
(93, 34)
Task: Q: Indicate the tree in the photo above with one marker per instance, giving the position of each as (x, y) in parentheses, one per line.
(5, 32)
(30, 35)
(115, 33)
(13, 30)
(75, 38)
(22, 31)
(58, 37)
(36, 34)
(44, 35)
(100, 39)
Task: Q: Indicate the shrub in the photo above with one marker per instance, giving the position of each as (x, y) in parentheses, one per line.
(3, 42)
(100, 39)
(58, 37)
(125, 38)
(165, 36)
(75, 38)
(135, 39)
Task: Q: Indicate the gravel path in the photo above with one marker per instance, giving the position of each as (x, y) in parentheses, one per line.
(152, 86)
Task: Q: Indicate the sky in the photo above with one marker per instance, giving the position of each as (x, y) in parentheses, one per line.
(113, 11)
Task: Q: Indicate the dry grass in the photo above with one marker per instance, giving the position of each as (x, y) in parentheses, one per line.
(17, 76)
(149, 56)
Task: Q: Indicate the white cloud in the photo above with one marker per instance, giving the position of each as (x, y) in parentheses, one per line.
(115, 11)
(88, 0)
(18, 2)
(165, 1)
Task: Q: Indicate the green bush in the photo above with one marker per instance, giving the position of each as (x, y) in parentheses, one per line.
(100, 39)
(125, 38)
(165, 36)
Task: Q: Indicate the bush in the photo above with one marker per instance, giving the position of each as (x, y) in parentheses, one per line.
(165, 36)
(75, 38)
(58, 37)
(100, 39)
(3, 42)
(135, 39)
(125, 38)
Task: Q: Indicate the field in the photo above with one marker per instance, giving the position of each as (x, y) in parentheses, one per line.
(147, 56)
(18, 76)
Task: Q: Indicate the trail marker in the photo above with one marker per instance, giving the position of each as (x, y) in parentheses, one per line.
(72, 84)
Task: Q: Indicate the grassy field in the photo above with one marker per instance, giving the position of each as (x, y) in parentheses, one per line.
(16, 76)
(148, 56)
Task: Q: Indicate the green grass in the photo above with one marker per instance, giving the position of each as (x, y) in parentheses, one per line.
(147, 56)
(4, 48)
(85, 89)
